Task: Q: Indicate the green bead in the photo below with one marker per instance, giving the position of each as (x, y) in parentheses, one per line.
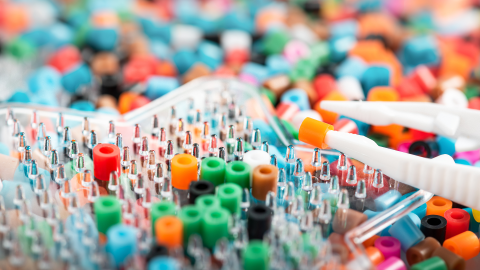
(290, 128)
(108, 212)
(319, 54)
(26, 241)
(81, 35)
(191, 217)
(215, 222)
(159, 210)
(247, 146)
(205, 202)
(230, 196)
(274, 42)
(238, 172)
(213, 170)
(471, 91)
(21, 49)
(270, 95)
(434, 263)
(256, 256)
(380, 139)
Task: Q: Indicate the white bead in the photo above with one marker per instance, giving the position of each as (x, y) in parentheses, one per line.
(235, 40)
(350, 87)
(301, 115)
(453, 98)
(186, 36)
(303, 33)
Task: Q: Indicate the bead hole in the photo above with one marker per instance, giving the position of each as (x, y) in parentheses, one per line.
(215, 215)
(387, 243)
(106, 150)
(238, 168)
(202, 186)
(107, 203)
(265, 171)
(228, 190)
(213, 163)
(184, 161)
(438, 203)
(457, 215)
(434, 221)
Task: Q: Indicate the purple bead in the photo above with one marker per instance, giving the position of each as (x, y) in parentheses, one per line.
(388, 246)
(471, 156)
(392, 263)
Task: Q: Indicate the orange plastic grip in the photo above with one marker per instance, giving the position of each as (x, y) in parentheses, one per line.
(169, 231)
(438, 206)
(184, 170)
(313, 132)
(465, 245)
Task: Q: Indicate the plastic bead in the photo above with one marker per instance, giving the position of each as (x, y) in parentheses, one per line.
(159, 210)
(184, 171)
(434, 226)
(230, 196)
(474, 225)
(256, 256)
(108, 212)
(169, 231)
(387, 200)
(199, 188)
(452, 260)
(434, 263)
(422, 251)
(213, 170)
(438, 206)
(298, 97)
(375, 256)
(122, 243)
(375, 76)
(215, 225)
(389, 246)
(392, 263)
(465, 245)
(164, 263)
(207, 201)
(406, 232)
(238, 172)
(458, 221)
(191, 217)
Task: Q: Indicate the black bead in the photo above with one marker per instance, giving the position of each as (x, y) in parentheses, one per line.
(420, 148)
(156, 251)
(259, 221)
(199, 188)
(434, 226)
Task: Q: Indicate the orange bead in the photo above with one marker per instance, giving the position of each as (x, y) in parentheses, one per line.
(224, 71)
(184, 170)
(169, 231)
(323, 85)
(465, 245)
(382, 93)
(313, 132)
(370, 241)
(105, 19)
(138, 102)
(166, 68)
(438, 205)
(375, 256)
(14, 19)
(455, 64)
(389, 130)
(268, 17)
(328, 116)
(125, 101)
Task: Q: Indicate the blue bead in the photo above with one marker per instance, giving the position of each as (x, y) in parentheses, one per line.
(77, 18)
(186, 11)
(385, 231)
(76, 78)
(83, 105)
(20, 97)
(266, 131)
(462, 161)
(160, 49)
(210, 54)
(207, 24)
(420, 211)
(4, 149)
(158, 86)
(47, 99)
(272, 150)
(387, 200)
(184, 60)
(340, 47)
(45, 79)
(375, 76)
(477, 164)
(236, 21)
(445, 145)
(156, 31)
(370, 214)
(422, 50)
(277, 64)
(298, 97)
(369, 5)
(416, 220)
(352, 67)
(362, 126)
(122, 243)
(38, 37)
(163, 263)
(345, 28)
(102, 39)
(406, 232)
(258, 71)
(60, 35)
(474, 225)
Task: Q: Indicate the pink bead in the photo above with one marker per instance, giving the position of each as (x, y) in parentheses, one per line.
(295, 50)
(250, 79)
(389, 246)
(287, 110)
(472, 156)
(393, 263)
(403, 147)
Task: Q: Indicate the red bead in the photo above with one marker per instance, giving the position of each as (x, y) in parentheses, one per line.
(474, 103)
(418, 135)
(65, 58)
(139, 102)
(287, 110)
(458, 221)
(237, 56)
(424, 78)
(408, 88)
(346, 125)
(324, 84)
(139, 69)
(106, 159)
